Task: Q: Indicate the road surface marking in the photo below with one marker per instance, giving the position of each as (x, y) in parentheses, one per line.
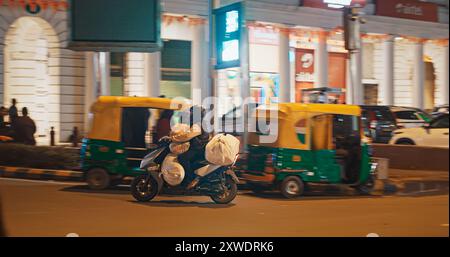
(444, 225)
(41, 181)
(373, 235)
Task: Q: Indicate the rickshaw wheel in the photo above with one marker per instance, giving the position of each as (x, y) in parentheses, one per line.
(292, 187)
(98, 179)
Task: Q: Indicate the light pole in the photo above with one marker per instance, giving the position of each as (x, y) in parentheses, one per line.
(352, 31)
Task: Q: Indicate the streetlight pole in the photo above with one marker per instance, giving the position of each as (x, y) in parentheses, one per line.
(352, 29)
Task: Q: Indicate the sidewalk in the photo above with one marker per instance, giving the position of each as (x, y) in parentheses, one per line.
(410, 182)
(42, 174)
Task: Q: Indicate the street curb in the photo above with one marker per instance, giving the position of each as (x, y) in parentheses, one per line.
(382, 187)
(409, 187)
(43, 174)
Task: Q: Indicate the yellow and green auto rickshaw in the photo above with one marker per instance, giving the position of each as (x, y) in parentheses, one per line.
(315, 143)
(120, 136)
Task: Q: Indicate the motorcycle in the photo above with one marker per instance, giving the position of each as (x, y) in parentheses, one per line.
(217, 182)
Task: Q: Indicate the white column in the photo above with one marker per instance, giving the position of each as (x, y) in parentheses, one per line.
(388, 72)
(105, 73)
(292, 67)
(321, 61)
(445, 83)
(152, 74)
(199, 65)
(90, 89)
(285, 68)
(418, 76)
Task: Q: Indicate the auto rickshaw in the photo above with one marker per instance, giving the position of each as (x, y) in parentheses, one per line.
(315, 143)
(120, 136)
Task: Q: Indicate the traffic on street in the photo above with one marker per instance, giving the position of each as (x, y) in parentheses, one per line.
(208, 119)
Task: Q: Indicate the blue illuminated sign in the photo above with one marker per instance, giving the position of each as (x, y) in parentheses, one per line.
(229, 23)
(232, 21)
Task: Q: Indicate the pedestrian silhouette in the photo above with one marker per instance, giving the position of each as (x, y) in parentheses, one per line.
(13, 111)
(25, 128)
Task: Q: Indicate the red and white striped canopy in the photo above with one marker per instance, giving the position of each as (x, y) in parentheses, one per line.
(33, 4)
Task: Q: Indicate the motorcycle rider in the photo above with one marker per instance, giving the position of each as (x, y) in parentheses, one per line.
(196, 152)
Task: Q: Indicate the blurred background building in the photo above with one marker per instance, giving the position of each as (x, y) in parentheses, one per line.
(292, 45)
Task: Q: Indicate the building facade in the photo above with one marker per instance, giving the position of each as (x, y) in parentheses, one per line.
(291, 45)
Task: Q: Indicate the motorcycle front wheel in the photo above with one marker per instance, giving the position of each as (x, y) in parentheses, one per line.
(144, 188)
(229, 193)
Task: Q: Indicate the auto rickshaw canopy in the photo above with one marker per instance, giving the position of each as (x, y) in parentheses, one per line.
(297, 122)
(107, 113)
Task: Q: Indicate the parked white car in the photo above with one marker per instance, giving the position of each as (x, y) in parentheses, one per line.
(408, 117)
(435, 134)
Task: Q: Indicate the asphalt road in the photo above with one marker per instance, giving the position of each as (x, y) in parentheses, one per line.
(36, 208)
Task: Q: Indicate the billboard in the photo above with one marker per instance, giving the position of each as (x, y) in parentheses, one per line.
(408, 9)
(229, 25)
(115, 25)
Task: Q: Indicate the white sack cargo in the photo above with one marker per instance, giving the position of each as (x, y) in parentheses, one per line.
(179, 148)
(172, 171)
(182, 132)
(222, 150)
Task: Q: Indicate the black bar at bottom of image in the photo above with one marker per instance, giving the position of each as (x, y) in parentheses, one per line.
(227, 246)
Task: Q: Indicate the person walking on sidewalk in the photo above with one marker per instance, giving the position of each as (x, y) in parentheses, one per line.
(13, 114)
(25, 128)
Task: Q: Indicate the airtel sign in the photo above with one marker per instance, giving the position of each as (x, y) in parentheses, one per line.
(408, 9)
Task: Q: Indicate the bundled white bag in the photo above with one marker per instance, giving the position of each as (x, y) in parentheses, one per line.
(222, 150)
(179, 148)
(172, 171)
(182, 132)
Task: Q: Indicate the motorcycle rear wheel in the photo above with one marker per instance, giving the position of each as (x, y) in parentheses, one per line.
(144, 188)
(229, 194)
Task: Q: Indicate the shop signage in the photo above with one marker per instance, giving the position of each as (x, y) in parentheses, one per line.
(408, 9)
(331, 4)
(304, 71)
(229, 24)
(304, 65)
